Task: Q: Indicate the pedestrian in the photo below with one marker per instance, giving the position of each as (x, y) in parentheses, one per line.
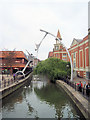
(14, 76)
(88, 89)
(77, 86)
(80, 86)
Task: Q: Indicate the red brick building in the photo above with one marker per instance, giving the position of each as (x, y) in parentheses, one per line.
(50, 54)
(12, 59)
(79, 51)
(59, 51)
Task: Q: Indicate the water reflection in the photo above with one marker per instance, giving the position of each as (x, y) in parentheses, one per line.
(57, 97)
(9, 102)
(39, 99)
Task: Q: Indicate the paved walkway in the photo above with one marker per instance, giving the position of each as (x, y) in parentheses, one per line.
(78, 99)
(13, 86)
(15, 83)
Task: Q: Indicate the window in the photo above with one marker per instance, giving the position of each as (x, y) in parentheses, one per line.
(56, 55)
(74, 55)
(74, 63)
(88, 75)
(81, 59)
(56, 47)
(64, 54)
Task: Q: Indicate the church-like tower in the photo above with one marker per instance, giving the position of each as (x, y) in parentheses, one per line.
(59, 51)
(59, 36)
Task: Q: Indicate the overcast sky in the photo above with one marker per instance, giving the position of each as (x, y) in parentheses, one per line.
(21, 21)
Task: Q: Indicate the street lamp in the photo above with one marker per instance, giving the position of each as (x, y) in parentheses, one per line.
(59, 39)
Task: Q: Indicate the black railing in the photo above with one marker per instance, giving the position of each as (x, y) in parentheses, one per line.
(83, 90)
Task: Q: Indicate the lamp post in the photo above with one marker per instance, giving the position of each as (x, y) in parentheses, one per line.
(65, 48)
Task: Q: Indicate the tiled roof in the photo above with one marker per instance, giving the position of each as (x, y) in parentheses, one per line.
(50, 54)
(18, 54)
(78, 40)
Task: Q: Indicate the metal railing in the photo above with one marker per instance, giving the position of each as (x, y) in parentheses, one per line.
(85, 92)
(7, 81)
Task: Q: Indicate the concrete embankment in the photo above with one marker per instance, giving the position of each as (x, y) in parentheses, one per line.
(82, 104)
(10, 89)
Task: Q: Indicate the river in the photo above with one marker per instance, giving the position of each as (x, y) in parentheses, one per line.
(39, 99)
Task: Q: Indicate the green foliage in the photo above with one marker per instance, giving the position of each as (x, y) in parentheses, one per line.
(54, 68)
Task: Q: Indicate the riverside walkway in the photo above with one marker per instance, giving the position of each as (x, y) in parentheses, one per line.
(82, 103)
(11, 85)
(9, 80)
(6, 81)
(84, 81)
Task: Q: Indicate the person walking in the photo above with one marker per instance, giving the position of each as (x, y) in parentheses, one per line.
(14, 76)
(88, 89)
(80, 86)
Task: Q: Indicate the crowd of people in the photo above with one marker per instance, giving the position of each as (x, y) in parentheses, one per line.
(84, 86)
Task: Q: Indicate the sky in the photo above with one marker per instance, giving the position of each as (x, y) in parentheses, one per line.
(21, 21)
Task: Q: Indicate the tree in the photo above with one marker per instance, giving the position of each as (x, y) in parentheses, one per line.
(54, 68)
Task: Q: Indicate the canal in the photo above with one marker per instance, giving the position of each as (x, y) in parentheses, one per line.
(39, 99)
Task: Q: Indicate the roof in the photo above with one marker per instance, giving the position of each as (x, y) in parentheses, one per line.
(76, 41)
(79, 41)
(58, 35)
(15, 54)
(85, 38)
(50, 54)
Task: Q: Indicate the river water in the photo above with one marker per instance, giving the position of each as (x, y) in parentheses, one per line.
(39, 99)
